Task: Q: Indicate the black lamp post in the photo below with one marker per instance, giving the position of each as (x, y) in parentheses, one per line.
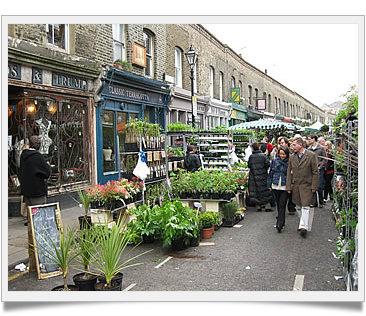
(192, 58)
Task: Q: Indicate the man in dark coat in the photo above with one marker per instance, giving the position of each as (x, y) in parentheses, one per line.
(258, 188)
(192, 161)
(302, 180)
(34, 172)
(321, 154)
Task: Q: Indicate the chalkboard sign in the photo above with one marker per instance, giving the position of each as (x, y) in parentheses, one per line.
(46, 226)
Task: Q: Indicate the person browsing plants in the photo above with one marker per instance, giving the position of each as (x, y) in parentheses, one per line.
(277, 183)
(192, 161)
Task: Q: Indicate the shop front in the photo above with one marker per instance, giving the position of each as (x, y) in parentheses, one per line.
(57, 104)
(125, 97)
(180, 108)
(217, 114)
(239, 114)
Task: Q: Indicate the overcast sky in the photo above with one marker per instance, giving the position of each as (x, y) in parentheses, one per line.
(319, 61)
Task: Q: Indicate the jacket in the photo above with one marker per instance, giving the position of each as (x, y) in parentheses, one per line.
(192, 162)
(34, 172)
(258, 188)
(319, 150)
(302, 177)
(278, 170)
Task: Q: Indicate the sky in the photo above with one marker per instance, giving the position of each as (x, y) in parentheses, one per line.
(318, 61)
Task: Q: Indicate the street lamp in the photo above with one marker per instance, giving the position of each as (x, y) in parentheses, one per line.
(192, 58)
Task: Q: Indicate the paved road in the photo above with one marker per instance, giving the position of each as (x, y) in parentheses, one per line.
(253, 257)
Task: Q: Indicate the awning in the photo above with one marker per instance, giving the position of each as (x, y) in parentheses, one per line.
(264, 124)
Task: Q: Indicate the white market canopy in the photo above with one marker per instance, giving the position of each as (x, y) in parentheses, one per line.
(264, 124)
(316, 126)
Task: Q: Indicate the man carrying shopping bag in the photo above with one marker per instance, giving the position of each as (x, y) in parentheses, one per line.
(302, 181)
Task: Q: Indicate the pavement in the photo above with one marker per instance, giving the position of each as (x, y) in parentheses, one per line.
(250, 257)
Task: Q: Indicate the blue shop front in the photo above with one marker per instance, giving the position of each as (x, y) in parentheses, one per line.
(125, 96)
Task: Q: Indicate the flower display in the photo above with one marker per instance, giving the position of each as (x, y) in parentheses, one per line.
(109, 194)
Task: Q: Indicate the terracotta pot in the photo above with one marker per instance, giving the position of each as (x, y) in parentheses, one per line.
(207, 232)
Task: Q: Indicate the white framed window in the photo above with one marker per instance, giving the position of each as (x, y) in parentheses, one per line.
(233, 82)
(119, 42)
(178, 67)
(58, 36)
(149, 44)
(212, 78)
(221, 86)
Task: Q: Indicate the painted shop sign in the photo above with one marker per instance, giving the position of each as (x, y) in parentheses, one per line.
(67, 81)
(14, 71)
(133, 94)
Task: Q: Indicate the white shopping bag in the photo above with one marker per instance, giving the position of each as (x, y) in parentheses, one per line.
(306, 219)
(141, 170)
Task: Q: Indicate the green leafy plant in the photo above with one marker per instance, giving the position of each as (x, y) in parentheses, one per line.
(85, 201)
(229, 209)
(207, 219)
(86, 238)
(145, 221)
(123, 64)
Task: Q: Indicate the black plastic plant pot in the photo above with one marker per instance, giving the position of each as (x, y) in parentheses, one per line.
(102, 287)
(194, 241)
(179, 244)
(85, 281)
(116, 281)
(61, 288)
(85, 221)
(148, 239)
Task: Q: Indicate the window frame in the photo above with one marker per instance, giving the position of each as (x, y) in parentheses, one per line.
(149, 55)
(67, 39)
(178, 65)
(121, 40)
(211, 81)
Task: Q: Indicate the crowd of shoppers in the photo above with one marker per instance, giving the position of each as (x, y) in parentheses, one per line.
(298, 172)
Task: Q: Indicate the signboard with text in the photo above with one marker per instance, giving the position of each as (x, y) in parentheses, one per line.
(261, 104)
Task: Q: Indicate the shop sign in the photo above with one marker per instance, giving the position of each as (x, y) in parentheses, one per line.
(194, 105)
(14, 71)
(235, 95)
(37, 75)
(134, 94)
(67, 81)
(138, 55)
(261, 104)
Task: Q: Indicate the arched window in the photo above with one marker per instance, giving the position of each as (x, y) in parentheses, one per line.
(269, 107)
(276, 106)
(265, 98)
(233, 82)
(241, 89)
(221, 86)
(178, 67)
(149, 45)
(250, 94)
(212, 81)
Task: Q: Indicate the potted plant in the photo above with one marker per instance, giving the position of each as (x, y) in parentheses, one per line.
(62, 253)
(85, 220)
(108, 248)
(85, 280)
(122, 64)
(206, 222)
(228, 211)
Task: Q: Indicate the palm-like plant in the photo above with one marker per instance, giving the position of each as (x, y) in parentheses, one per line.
(62, 253)
(85, 201)
(108, 248)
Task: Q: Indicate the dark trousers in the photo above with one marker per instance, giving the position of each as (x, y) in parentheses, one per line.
(328, 190)
(281, 201)
(291, 206)
(321, 186)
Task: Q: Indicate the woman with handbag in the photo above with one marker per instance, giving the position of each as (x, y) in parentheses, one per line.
(277, 183)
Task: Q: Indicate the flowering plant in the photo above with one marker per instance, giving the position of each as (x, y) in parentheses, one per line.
(112, 191)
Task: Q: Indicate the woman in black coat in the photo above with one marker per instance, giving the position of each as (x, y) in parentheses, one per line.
(258, 165)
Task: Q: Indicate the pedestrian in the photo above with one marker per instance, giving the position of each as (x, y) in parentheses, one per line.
(192, 161)
(34, 172)
(259, 192)
(302, 181)
(277, 180)
(320, 152)
(329, 171)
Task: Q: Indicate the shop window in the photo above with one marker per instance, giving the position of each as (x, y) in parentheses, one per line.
(121, 133)
(233, 82)
(178, 67)
(58, 35)
(109, 148)
(119, 42)
(149, 45)
(63, 128)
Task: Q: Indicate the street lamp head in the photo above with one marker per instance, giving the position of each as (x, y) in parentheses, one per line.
(191, 57)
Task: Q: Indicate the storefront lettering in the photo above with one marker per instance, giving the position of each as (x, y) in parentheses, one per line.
(128, 93)
(69, 82)
(14, 71)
